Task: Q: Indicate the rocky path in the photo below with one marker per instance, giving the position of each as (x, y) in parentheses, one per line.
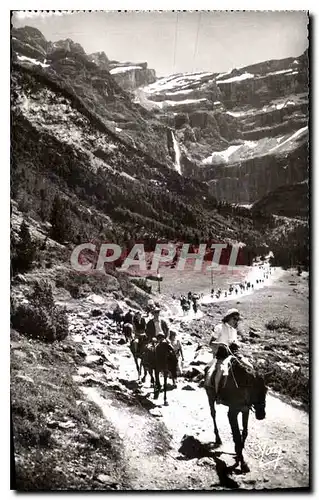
(276, 448)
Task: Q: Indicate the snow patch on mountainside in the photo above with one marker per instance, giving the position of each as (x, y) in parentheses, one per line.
(165, 104)
(244, 76)
(302, 131)
(124, 69)
(253, 149)
(280, 72)
(221, 156)
(33, 61)
(175, 82)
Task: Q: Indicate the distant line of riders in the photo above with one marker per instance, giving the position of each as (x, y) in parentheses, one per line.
(240, 287)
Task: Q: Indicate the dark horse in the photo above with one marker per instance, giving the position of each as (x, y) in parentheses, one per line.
(137, 346)
(165, 362)
(242, 390)
(159, 358)
(118, 317)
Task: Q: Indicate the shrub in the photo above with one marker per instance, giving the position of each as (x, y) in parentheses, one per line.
(278, 324)
(40, 318)
(294, 384)
(142, 284)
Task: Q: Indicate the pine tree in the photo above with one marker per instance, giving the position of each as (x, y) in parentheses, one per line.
(23, 251)
(60, 221)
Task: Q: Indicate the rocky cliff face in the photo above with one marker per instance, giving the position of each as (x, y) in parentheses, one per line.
(131, 76)
(290, 200)
(244, 132)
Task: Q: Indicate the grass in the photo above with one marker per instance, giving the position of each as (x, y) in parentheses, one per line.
(48, 457)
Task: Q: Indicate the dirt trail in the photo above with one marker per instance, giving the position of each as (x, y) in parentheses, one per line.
(276, 448)
(282, 438)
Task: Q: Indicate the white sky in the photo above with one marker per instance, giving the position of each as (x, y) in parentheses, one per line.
(172, 42)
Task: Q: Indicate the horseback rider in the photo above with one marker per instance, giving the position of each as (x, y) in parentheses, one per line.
(150, 306)
(118, 315)
(139, 324)
(156, 325)
(185, 304)
(225, 332)
(195, 299)
(224, 342)
(128, 318)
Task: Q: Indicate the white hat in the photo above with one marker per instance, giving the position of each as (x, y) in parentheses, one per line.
(231, 312)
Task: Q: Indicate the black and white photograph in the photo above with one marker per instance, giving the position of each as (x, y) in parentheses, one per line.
(160, 250)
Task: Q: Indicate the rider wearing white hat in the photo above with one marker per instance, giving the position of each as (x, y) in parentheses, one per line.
(226, 331)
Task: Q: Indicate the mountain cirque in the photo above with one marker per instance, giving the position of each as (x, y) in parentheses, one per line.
(244, 133)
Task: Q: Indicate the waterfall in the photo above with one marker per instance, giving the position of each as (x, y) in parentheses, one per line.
(177, 152)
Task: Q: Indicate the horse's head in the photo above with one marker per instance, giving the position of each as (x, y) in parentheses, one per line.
(259, 392)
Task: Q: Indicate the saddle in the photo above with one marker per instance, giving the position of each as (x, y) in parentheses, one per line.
(216, 373)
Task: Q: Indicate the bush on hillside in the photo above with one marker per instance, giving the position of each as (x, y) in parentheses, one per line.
(278, 324)
(142, 284)
(40, 318)
(294, 384)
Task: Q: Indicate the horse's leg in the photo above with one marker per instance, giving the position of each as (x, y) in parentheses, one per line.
(157, 385)
(211, 400)
(233, 420)
(174, 382)
(145, 371)
(245, 416)
(136, 363)
(165, 388)
(151, 371)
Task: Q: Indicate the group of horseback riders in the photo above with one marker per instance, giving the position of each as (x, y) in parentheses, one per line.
(192, 299)
(140, 331)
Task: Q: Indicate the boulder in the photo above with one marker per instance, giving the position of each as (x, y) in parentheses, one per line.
(107, 480)
(253, 334)
(25, 378)
(94, 360)
(96, 312)
(188, 387)
(202, 357)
